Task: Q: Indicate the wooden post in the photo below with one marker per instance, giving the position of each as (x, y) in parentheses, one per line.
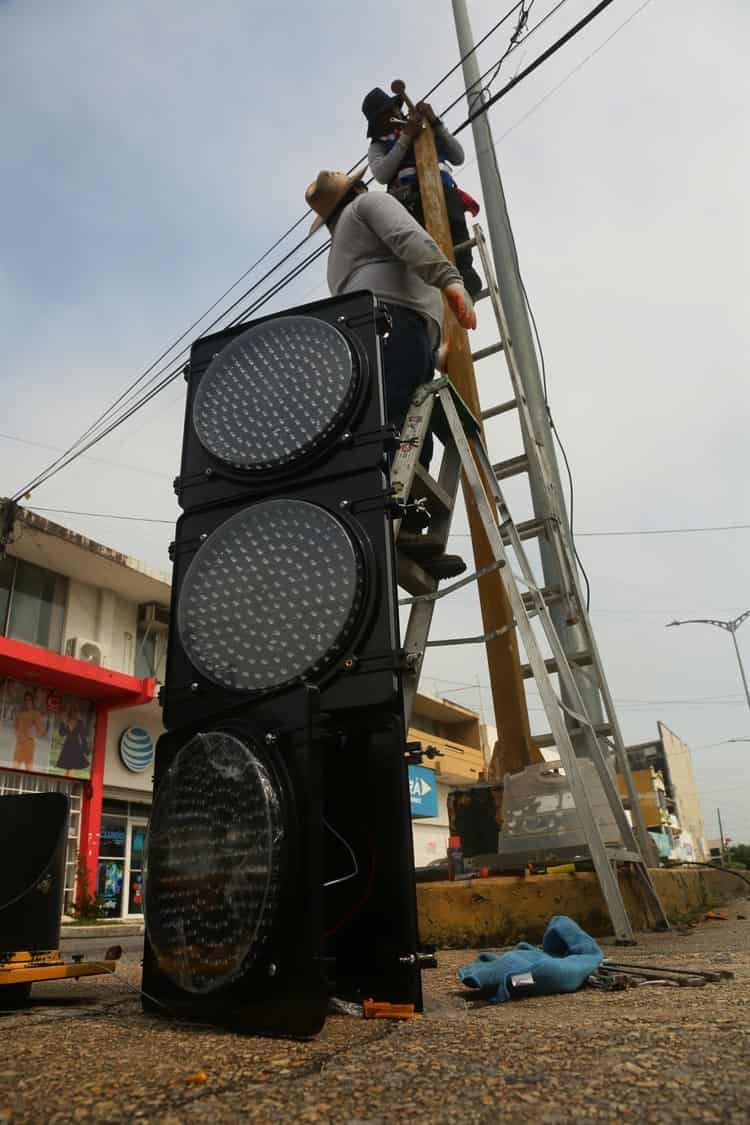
(514, 748)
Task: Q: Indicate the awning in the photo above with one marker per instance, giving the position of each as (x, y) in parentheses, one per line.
(32, 664)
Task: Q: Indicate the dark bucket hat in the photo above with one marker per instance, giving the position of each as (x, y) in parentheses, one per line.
(375, 103)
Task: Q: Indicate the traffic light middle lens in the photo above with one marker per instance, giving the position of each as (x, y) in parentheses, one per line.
(272, 595)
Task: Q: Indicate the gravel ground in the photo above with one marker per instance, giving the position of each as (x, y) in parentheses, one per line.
(85, 1052)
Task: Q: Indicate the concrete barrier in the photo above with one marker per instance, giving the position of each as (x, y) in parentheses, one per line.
(480, 913)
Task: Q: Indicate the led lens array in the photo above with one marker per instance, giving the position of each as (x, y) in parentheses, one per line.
(272, 595)
(275, 393)
(213, 863)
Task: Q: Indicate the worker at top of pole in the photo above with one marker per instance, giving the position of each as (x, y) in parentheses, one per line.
(377, 245)
(392, 162)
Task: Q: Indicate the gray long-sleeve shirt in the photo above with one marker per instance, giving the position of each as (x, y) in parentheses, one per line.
(384, 164)
(377, 245)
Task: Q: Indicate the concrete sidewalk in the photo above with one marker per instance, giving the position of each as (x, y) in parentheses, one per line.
(85, 1052)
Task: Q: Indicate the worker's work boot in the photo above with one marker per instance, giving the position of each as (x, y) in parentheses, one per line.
(430, 556)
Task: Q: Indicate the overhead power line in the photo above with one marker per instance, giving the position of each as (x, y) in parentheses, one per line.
(553, 49)
(105, 423)
(457, 535)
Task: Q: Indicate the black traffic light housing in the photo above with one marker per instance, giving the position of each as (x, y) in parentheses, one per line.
(284, 638)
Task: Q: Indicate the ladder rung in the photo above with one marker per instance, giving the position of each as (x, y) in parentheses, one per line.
(551, 594)
(484, 352)
(578, 658)
(622, 855)
(528, 529)
(503, 408)
(512, 467)
(543, 741)
(465, 245)
(426, 487)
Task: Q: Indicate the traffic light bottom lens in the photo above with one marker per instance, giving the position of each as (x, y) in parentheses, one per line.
(214, 863)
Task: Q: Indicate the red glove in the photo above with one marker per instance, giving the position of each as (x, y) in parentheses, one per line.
(461, 305)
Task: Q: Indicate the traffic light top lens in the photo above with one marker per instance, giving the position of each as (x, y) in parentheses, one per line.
(214, 862)
(277, 392)
(272, 595)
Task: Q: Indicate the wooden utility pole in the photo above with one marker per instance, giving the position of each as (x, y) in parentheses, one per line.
(514, 748)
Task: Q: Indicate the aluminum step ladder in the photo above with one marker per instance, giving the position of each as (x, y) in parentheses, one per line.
(438, 406)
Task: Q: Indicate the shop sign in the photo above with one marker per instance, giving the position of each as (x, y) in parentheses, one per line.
(136, 749)
(423, 791)
(45, 731)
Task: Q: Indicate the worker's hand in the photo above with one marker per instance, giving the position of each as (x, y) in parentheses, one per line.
(428, 112)
(414, 125)
(461, 305)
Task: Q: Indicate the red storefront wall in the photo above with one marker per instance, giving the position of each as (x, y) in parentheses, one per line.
(108, 690)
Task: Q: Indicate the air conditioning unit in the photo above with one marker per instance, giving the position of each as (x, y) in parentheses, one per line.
(91, 652)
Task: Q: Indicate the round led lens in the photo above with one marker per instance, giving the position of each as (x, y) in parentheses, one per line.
(213, 868)
(273, 594)
(275, 393)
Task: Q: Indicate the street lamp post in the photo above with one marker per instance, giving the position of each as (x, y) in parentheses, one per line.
(730, 627)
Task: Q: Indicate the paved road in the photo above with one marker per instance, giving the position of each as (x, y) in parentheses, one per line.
(86, 1052)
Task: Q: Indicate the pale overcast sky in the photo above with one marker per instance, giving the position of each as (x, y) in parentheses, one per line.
(152, 151)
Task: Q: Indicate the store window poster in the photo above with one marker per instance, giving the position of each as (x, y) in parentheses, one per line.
(45, 731)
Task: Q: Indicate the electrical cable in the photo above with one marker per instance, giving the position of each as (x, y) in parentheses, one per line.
(551, 50)
(75, 451)
(473, 87)
(352, 874)
(46, 472)
(454, 535)
(711, 867)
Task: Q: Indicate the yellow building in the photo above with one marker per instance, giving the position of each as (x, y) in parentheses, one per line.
(455, 733)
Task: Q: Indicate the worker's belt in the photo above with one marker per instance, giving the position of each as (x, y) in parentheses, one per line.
(408, 176)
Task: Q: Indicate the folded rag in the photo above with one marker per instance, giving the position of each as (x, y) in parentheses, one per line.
(567, 957)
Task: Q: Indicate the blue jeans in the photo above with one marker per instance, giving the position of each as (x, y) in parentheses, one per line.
(408, 361)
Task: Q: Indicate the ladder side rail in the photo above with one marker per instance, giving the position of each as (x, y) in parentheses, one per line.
(621, 754)
(578, 711)
(570, 580)
(422, 611)
(577, 707)
(570, 684)
(599, 854)
(405, 460)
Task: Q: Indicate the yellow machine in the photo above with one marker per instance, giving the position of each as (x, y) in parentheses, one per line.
(19, 970)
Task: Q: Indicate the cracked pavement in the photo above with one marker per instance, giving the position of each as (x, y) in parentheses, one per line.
(84, 1051)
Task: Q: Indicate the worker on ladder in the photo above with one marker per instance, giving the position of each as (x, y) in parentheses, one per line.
(377, 245)
(392, 162)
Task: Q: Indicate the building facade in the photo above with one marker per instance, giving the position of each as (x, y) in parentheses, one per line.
(82, 643)
(83, 633)
(455, 734)
(668, 796)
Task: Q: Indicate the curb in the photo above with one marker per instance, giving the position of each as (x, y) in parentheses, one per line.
(103, 930)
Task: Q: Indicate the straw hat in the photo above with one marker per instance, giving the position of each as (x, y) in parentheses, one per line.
(326, 192)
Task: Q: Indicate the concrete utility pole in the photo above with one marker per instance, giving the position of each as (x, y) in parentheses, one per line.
(547, 505)
(517, 749)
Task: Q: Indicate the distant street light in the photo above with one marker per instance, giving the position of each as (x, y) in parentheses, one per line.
(730, 627)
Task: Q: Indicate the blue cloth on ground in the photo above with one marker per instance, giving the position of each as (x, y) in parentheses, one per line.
(567, 957)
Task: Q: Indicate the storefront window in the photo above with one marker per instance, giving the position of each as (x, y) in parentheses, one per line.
(112, 837)
(135, 881)
(32, 603)
(7, 566)
(121, 856)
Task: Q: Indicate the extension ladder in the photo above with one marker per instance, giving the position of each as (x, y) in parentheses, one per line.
(573, 730)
